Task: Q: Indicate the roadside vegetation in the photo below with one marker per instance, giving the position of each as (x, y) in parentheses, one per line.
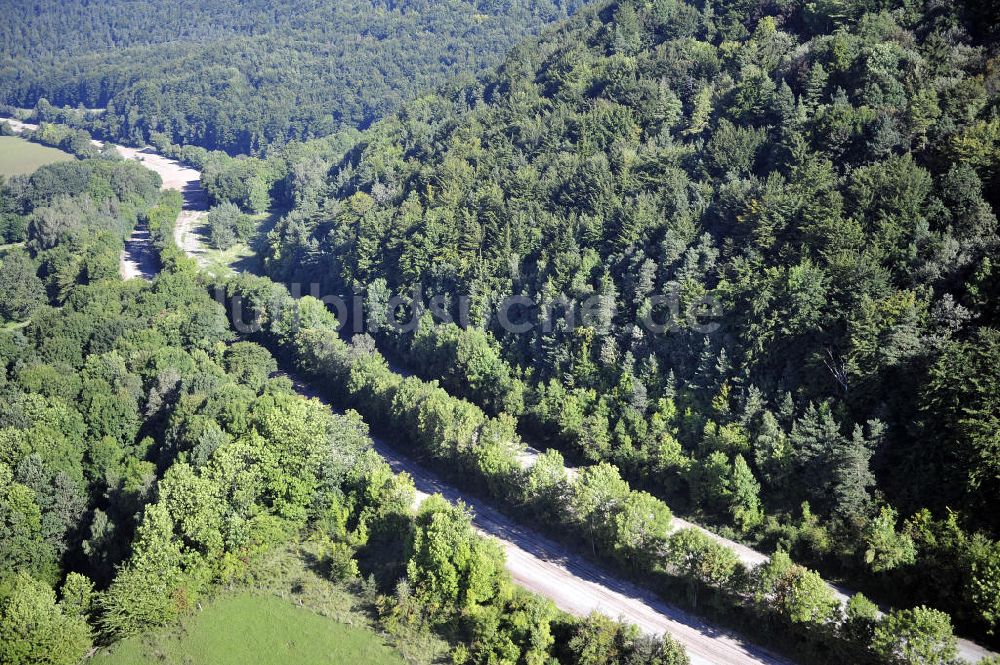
(824, 172)
(779, 602)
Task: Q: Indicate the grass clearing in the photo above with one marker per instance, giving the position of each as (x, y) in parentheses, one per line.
(250, 627)
(243, 256)
(223, 262)
(21, 157)
(283, 612)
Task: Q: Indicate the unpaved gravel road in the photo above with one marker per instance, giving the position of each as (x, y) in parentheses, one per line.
(579, 587)
(138, 259)
(574, 585)
(187, 181)
(967, 649)
(19, 126)
(535, 562)
(748, 556)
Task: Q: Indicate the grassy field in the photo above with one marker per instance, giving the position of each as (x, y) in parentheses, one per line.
(255, 628)
(283, 612)
(20, 157)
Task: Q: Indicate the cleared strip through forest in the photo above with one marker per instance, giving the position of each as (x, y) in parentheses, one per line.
(138, 259)
(574, 585)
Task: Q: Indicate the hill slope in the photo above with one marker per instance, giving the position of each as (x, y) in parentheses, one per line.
(820, 171)
(237, 76)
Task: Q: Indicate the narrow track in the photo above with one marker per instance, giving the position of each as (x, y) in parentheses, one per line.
(577, 586)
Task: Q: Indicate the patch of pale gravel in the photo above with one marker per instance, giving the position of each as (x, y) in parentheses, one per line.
(174, 174)
(19, 126)
(188, 235)
(187, 181)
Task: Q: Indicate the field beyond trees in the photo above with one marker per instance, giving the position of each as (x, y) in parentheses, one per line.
(20, 157)
(231, 76)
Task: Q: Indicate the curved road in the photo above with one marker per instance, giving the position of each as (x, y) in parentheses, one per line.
(534, 561)
(138, 260)
(187, 181)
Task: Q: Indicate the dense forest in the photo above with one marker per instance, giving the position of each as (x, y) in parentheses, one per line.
(754, 247)
(148, 458)
(239, 76)
(825, 174)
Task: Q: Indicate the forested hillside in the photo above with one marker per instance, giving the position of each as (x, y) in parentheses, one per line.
(238, 76)
(825, 173)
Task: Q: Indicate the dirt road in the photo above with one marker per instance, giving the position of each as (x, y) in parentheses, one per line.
(578, 587)
(138, 259)
(19, 126)
(186, 180)
(967, 649)
(748, 556)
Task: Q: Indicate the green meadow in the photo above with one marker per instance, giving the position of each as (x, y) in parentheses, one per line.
(254, 628)
(20, 157)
